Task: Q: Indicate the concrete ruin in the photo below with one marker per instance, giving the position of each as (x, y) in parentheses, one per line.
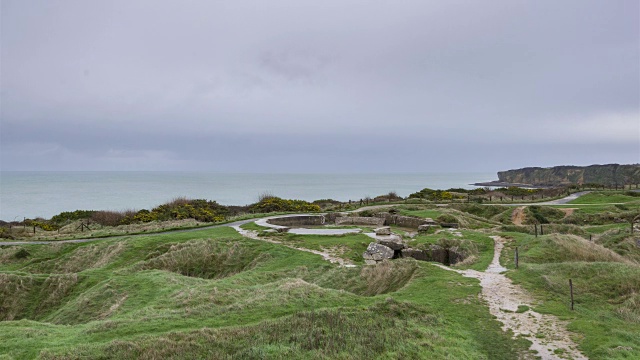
(300, 220)
(435, 253)
(405, 221)
(376, 253)
(359, 220)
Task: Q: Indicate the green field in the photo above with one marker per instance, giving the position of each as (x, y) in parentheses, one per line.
(609, 197)
(211, 293)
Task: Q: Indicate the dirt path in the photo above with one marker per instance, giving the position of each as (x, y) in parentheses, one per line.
(518, 215)
(325, 255)
(547, 333)
(567, 211)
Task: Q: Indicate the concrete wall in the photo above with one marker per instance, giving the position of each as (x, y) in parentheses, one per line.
(298, 220)
(435, 253)
(359, 220)
(331, 217)
(403, 221)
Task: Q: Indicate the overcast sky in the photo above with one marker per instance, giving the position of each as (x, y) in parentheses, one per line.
(318, 86)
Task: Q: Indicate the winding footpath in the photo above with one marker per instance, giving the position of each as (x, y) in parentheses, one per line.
(547, 333)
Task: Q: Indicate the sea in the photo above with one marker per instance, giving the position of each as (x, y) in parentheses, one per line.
(44, 194)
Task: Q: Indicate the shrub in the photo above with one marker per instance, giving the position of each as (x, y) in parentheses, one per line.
(366, 213)
(518, 191)
(69, 216)
(42, 224)
(434, 195)
(5, 233)
(21, 254)
(632, 193)
(446, 219)
(486, 212)
(181, 208)
(276, 204)
(111, 218)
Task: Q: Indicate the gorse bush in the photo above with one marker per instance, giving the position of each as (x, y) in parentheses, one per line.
(177, 209)
(42, 224)
(69, 216)
(181, 208)
(276, 204)
(434, 195)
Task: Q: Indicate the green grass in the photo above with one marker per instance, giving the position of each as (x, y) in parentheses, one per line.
(253, 226)
(422, 213)
(349, 246)
(212, 294)
(606, 290)
(605, 198)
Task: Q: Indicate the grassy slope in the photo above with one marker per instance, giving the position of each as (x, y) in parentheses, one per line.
(606, 290)
(130, 299)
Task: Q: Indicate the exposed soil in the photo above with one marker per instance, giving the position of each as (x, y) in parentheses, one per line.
(518, 216)
(568, 211)
(547, 333)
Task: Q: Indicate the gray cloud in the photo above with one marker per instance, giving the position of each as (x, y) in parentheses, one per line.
(327, 86)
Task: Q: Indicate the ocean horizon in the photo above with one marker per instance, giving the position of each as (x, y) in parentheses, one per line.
(43, 194)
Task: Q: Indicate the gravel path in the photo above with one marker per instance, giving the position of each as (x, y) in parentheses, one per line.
(547, 333)
(564, 200)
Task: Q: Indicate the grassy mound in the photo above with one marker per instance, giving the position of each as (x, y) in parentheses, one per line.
(73, 260)
(606, 287)
(622, 243)
(240, 298)
(386, 277)
(564, 248)
(606, 296)
(333, 333)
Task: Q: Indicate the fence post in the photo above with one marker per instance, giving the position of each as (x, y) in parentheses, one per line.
(571, 289)
(536, 227)
(541, 232)
(516, 257)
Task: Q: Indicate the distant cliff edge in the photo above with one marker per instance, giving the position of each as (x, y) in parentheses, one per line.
(611, 174)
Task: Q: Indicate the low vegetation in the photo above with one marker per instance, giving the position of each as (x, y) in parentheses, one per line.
(211, 293)
(606, 287)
